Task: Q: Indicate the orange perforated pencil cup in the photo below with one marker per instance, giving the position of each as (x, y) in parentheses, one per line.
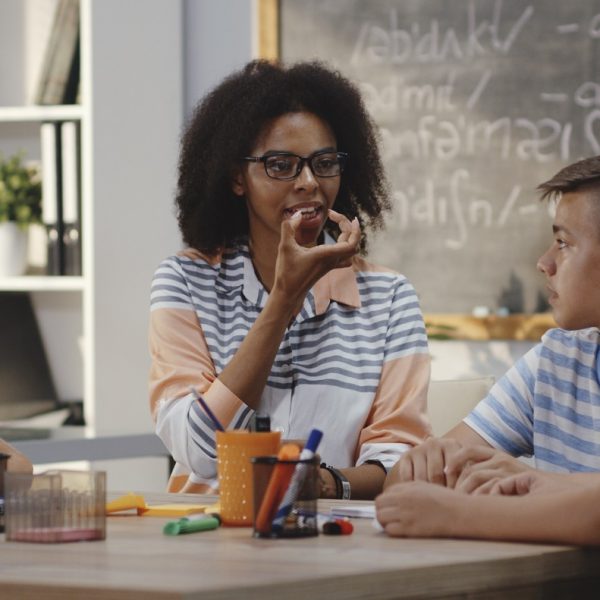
(234, 451)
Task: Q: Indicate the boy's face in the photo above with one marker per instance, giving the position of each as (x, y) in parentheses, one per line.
(572, 263)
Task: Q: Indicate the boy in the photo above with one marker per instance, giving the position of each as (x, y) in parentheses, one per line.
(548, 404)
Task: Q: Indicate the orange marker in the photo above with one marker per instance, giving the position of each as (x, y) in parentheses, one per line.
(278, 484)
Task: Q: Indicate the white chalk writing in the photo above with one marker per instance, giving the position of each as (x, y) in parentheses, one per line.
(428, 205)
(437, 138)
(434, 43)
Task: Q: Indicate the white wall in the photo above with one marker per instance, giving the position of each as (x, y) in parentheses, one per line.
(218, 38)
(465, 360)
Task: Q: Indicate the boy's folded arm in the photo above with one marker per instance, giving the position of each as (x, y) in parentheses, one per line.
(428, 460)
(536, 517)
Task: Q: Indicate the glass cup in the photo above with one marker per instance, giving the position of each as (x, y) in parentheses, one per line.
(56, 506)
(285, 497)
(234, 451)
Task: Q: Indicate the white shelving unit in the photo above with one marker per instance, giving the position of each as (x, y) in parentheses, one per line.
(36, 283)
(95, 326)
(36, 114)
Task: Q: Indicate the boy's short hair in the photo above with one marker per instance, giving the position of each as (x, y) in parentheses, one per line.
(582, 174)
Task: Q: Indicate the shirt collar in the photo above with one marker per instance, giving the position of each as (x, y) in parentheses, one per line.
(339, 285)
(252, 288)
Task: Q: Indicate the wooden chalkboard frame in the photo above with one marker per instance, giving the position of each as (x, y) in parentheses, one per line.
(439, 326)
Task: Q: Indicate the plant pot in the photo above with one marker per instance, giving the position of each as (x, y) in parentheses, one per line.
(13, 249)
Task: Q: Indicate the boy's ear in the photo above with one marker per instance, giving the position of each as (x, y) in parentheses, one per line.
(237, 182)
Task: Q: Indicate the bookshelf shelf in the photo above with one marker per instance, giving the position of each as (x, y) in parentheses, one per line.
(94, 326)
(40, 283)
(33, 114)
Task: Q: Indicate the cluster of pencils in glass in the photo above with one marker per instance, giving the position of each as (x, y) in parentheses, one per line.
(285, 484)
(284, 487)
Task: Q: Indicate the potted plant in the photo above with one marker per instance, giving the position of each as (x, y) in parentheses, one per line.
(20, 206)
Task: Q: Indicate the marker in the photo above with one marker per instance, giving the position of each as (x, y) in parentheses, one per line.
(192, 524)
(207, 410)
(259, 423)
(278, 483)
(291, 493)
(332, 526)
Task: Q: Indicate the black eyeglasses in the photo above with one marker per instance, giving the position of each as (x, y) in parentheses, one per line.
(287, 166)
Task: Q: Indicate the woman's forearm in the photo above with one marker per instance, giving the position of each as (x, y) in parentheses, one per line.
(366, 481)
(247, 372)
(17, 462)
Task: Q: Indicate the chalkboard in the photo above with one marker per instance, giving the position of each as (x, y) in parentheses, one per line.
(477, 102)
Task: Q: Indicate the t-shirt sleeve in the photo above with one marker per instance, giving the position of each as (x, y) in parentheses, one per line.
(181, 359)
(398, 417)
(504, 418)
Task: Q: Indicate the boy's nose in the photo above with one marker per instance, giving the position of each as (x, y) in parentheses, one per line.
(546, 264)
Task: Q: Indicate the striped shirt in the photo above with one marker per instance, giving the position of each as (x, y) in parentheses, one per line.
(353, 363)
(548, 404)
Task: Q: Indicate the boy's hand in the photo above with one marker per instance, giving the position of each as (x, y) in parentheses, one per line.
(476, 468)
(418, 509)
(426, 462)
(531, 482)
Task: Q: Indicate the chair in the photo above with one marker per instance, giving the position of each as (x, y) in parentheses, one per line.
(451, 400)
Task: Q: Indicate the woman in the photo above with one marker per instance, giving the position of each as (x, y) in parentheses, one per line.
(270, 309)
(17, 462)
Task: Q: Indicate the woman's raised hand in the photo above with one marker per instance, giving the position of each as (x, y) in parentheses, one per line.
(298, 268)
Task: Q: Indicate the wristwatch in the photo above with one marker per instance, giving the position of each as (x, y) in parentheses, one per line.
(342, 485)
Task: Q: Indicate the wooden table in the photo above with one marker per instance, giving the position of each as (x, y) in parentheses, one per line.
(137, 561)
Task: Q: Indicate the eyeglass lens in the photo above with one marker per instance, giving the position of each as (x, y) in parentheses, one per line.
(288, 166)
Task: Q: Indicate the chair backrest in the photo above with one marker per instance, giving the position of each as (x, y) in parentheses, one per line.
(451, 400)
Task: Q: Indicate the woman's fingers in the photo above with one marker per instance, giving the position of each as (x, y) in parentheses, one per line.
(305, 265)
(349, 230)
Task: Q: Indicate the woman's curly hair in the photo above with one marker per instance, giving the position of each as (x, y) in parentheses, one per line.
(227, 123)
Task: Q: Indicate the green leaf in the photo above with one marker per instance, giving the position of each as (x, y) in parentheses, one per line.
(20, 190)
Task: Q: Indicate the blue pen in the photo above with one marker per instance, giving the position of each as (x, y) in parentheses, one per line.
(207, 410)
(291, 493)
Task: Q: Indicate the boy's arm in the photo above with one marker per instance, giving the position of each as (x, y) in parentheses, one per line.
(427, 461)
(419, 509)
(442, 460)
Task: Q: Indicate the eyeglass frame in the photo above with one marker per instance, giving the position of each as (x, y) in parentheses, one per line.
(304, 160)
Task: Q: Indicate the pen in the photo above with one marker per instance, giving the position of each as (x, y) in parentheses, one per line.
(293, 489)
(192, 524)
(207, 410)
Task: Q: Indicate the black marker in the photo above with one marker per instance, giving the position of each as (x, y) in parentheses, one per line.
(259, 423)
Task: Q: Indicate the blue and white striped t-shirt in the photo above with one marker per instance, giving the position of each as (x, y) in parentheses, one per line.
(548, 404)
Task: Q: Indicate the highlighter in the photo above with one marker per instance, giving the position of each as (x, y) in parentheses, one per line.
(192, 524)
